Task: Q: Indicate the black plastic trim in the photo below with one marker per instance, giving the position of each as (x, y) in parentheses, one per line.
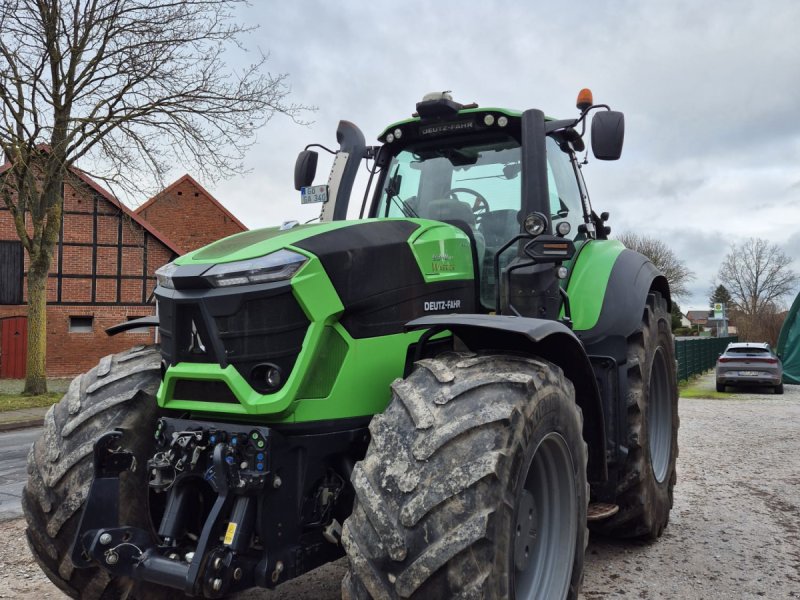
(151, 321)
(351, 140)
(535, 197)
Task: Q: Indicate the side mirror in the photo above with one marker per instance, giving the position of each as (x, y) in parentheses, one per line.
(608, 133)
(305, 168)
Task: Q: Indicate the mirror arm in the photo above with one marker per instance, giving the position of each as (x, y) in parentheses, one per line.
(551, 126)
(328, 150)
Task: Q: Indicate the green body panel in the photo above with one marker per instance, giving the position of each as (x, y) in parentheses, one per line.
(361, 385)
(443, 252)
(587, 284)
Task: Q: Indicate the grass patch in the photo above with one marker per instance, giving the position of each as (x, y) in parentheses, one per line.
(699, 386)
(18, 401)
(704, 392)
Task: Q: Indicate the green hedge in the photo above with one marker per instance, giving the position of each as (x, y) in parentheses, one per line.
(697, 355)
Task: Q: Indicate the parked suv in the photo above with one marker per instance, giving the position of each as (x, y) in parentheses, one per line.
(749, 363)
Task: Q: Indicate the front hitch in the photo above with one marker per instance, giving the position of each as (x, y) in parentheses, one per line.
(211, 570)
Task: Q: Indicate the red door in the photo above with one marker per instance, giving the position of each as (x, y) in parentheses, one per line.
(13, 347)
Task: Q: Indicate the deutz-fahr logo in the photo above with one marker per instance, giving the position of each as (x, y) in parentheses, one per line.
(451, 127)
(435, 305)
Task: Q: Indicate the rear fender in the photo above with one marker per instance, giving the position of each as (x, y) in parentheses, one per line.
(542, 338)
(626, 279)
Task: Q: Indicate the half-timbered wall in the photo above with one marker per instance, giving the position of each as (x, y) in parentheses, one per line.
(103, 273)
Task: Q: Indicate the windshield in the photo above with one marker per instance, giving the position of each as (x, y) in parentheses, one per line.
(427, 181)
(478, 183)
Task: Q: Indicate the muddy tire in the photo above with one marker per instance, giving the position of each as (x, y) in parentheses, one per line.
(118, 392)
(473, 486)
(644, 491)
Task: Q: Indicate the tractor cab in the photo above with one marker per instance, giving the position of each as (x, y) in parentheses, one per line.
(486, 170)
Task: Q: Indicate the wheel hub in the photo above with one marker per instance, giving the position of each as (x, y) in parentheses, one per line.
(546, 523)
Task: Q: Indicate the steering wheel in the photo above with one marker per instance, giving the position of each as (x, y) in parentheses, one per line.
(479, 207)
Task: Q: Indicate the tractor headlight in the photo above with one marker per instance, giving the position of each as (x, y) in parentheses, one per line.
(164, 275)
(276, 266)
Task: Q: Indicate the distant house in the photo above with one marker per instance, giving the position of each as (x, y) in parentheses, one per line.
(698, 317)
(684, 321)
(103, 269)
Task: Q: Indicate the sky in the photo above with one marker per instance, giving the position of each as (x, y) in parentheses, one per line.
(709, 90)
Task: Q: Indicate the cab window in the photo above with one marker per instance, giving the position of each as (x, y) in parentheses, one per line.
(565, 196)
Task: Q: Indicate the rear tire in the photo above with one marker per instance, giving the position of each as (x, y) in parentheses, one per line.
(720, 387)
(645, 483)
(473, 486)
(118, 392)
(779, 388)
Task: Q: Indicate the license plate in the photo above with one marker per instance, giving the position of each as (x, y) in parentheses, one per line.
(749, 373)
(314, 194)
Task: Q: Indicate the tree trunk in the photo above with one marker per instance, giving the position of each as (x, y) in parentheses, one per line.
(36, 376)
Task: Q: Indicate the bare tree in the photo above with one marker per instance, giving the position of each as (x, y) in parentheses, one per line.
(757, 276)
(764, 327)
(128, 87)
(677, 273)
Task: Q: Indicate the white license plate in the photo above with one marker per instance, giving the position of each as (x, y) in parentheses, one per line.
(314, 194)
(749, 373)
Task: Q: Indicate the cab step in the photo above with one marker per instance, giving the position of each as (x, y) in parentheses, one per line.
(598, 511)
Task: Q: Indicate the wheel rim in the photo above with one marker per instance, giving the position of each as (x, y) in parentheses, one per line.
(546, 523)
(659, 416)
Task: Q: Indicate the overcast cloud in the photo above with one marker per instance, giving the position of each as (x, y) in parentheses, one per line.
(710, 92)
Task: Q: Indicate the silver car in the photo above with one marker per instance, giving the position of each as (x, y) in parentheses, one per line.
(747, 363)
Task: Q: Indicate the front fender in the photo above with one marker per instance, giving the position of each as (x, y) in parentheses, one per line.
(542, 338)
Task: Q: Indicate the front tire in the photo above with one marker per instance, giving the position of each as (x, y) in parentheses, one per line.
(118, 392)
(473, 486)
(646, 481)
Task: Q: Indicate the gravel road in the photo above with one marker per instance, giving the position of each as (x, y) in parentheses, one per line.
(734, 530)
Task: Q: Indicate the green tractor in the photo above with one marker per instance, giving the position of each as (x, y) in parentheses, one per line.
(451, 390)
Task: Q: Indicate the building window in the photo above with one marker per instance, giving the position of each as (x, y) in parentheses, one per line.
(11, 272)
(81, 324)
(144, 329)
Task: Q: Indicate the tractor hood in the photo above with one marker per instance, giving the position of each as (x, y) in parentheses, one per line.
(350, 251)
(252, 244)
(356, 250)
(259, 318)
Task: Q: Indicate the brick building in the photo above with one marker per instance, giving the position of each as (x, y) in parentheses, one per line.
(189, 215)
(103, 270)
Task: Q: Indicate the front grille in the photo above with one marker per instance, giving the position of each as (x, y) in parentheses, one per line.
(205, 391)
(263, 328)
(243, 327)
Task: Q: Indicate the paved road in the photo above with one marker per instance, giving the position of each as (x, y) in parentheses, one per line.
(14, 446)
